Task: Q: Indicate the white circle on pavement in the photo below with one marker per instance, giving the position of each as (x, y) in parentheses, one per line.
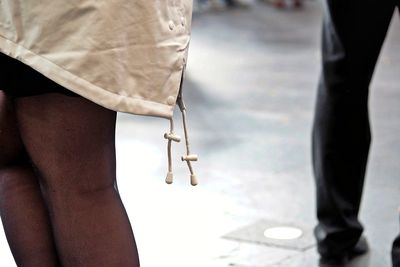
(283, 233)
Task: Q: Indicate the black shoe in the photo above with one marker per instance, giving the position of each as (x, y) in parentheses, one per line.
(333, 261)
(360, 248)
(341, 260)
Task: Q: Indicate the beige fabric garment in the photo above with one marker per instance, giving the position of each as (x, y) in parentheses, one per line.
(126, 55)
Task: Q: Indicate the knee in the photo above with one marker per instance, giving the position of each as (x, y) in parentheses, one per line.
(63, 198)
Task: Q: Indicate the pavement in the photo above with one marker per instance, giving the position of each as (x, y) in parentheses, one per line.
(250, 89)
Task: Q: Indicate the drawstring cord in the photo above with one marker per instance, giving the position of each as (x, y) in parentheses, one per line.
(188, 157)
(172, 137)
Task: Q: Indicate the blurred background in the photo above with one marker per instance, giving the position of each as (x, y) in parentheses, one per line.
(250, 89)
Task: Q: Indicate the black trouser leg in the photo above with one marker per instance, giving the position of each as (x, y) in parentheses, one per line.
(396, 252)
(353, 34)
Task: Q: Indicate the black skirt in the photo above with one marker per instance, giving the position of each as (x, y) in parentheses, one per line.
(18, 80)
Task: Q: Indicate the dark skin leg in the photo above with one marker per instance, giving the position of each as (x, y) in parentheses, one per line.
(69, 199)
(71, 142)
(22, 207)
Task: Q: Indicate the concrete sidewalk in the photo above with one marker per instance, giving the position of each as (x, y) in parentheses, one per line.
(250, 90)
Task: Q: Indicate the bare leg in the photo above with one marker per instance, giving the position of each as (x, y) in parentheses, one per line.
(22, 208)
(71, 141)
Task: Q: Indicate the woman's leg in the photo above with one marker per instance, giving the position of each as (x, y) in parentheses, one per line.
(71, 141)
(22, 209)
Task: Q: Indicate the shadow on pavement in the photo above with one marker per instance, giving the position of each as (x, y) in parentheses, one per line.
(361, 261)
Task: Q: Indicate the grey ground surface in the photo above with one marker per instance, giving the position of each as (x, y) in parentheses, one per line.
(250, 89)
